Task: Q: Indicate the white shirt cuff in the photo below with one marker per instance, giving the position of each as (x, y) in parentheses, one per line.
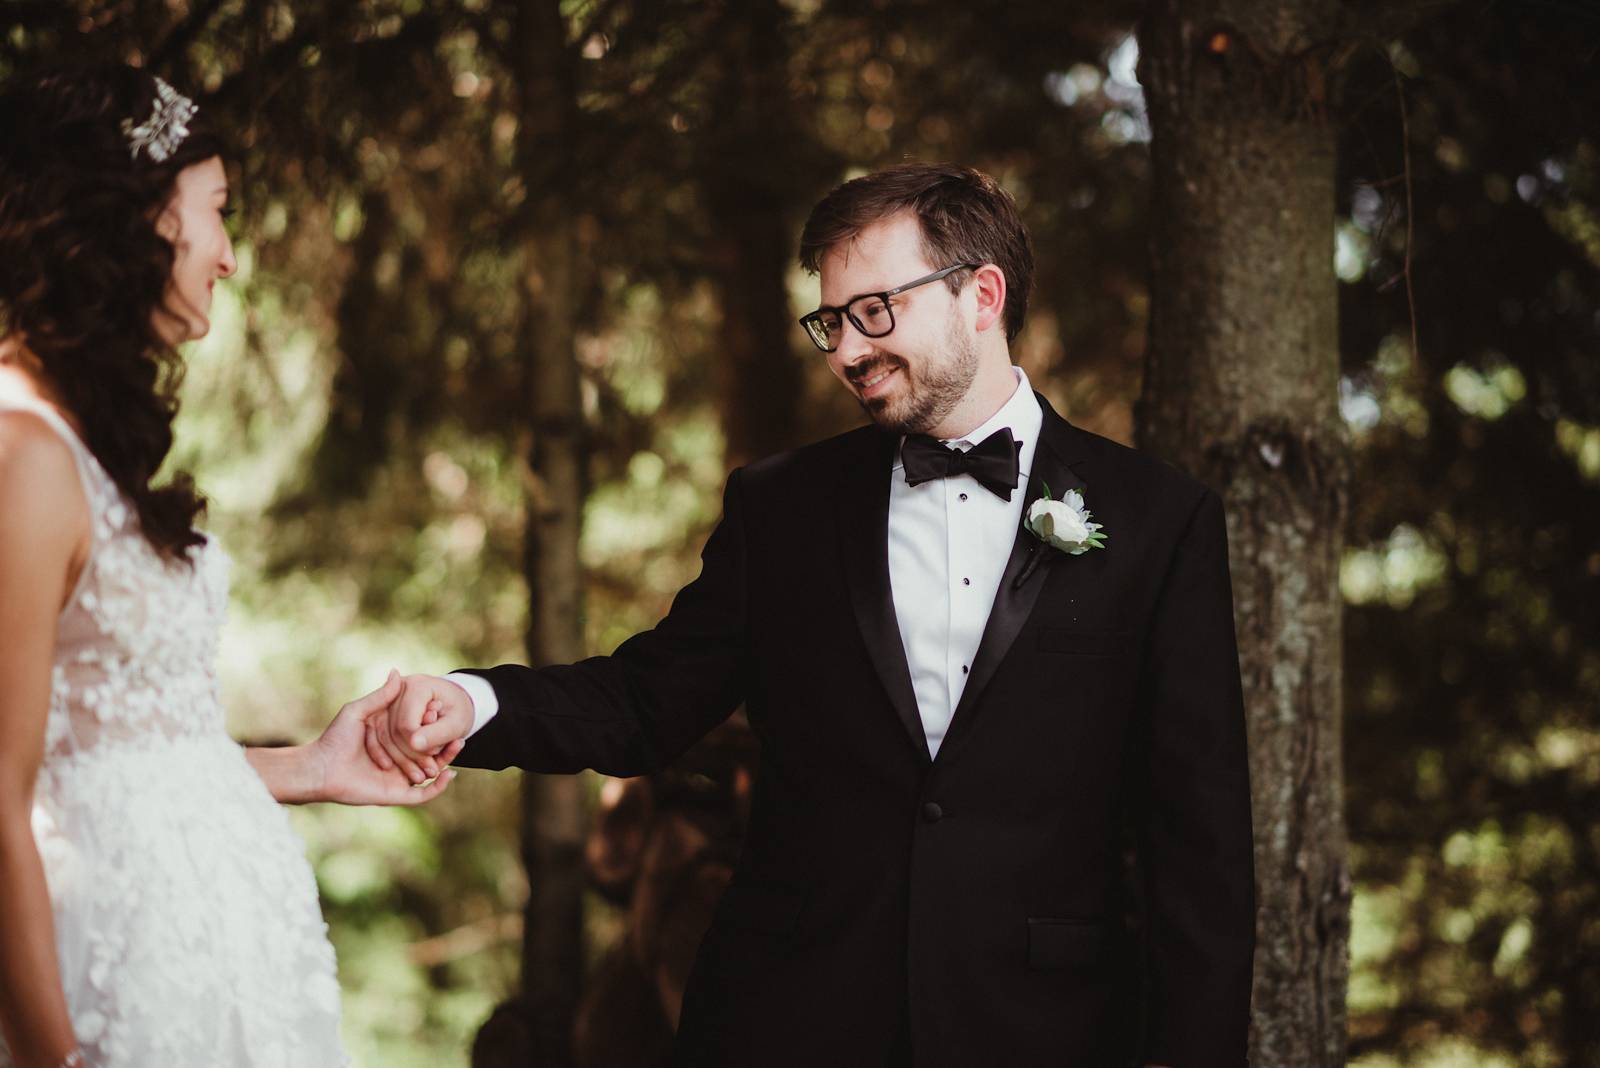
(484, 703)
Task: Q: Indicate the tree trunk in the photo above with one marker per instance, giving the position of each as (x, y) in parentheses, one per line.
(1241, 389)
(538, 1028)
(748, 162)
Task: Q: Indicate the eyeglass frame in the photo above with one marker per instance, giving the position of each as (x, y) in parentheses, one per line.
(844, 311)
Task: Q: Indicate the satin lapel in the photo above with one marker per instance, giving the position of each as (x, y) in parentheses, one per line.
(864, 526)
(1025, 573)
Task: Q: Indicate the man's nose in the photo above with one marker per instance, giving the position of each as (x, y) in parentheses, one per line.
(853, 344)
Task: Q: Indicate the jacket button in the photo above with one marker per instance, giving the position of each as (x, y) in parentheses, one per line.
(931, 812)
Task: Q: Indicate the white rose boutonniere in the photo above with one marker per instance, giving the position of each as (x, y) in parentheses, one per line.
(1065, 524)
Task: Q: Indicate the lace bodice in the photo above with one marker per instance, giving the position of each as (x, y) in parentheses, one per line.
(186, 920)
(136, 645)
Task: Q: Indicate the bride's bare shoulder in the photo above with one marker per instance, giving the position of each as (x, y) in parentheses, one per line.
(39, 483)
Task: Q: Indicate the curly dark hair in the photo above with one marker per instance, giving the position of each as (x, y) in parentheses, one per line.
(83, 272)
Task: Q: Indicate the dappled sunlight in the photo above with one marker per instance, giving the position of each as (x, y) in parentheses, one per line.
(1582, 444)
(1394, 572)
(1488, 391)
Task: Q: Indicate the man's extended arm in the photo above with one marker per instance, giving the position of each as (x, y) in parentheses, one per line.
(1194, 829)
(623, 714)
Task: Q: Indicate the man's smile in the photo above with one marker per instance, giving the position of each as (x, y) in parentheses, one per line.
(869, 388)
(872, 379)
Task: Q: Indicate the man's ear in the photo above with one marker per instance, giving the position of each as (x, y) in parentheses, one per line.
(989, 286)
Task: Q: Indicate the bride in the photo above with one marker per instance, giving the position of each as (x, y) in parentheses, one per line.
(158, 909)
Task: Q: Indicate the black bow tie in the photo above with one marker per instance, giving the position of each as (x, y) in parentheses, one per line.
(993, 461)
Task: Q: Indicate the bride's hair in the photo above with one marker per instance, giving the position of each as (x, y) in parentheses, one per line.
(83, 271)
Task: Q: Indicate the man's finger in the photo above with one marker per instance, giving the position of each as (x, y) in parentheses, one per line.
(448, 728)
(405, 716)
(408, 717)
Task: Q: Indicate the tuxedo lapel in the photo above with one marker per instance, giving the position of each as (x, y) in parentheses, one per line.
(864, 525)
(1025, 571)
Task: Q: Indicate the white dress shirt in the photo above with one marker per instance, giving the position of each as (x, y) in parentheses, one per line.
(949, 540)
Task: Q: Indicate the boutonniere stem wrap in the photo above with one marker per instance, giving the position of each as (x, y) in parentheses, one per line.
(1065, 524)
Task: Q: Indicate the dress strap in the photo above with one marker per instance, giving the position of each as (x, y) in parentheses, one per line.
(87, 476)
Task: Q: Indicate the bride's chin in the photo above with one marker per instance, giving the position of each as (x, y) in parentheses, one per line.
(174, 329)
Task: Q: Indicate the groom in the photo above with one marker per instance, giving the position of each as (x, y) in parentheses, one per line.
(959, 721)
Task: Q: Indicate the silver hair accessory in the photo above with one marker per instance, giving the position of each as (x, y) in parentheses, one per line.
(168, 124)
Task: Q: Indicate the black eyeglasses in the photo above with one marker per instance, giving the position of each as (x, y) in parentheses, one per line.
(869, 313)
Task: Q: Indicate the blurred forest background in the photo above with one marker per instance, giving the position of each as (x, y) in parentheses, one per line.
(500, 254)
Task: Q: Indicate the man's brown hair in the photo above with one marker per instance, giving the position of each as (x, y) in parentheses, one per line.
(965, 217)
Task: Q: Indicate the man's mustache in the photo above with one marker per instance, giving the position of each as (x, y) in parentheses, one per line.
(859, 372)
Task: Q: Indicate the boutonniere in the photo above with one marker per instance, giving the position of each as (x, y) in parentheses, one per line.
(1065, 524)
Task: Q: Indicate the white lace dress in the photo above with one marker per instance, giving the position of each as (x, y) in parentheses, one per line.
(186, 916)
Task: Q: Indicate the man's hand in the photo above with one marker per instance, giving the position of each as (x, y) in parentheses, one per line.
(342, 771)
(424, 728)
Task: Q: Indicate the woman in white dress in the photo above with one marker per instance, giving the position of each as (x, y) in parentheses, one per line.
(157, 908)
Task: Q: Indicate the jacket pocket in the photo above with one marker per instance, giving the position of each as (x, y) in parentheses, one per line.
(1085, 642)
(1055, 945)
(762, 909)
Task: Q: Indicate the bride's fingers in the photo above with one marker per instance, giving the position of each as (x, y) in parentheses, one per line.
(400, 758)
(431, 762)
(384, 696)
(375, 751)
(421, 795)
(434, 763)
(418, 793)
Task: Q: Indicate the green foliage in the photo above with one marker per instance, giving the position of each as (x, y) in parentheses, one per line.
(359, 413)
(1473, 743)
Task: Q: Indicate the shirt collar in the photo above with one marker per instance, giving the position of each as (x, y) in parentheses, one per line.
(1021, 413)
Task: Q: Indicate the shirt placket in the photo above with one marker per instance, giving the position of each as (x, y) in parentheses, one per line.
(961, 520)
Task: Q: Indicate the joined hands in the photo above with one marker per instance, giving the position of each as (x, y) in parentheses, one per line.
(422, 728)
(338, 765)
(342, 772)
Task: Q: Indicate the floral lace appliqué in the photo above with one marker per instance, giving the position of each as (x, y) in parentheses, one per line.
(187, 923)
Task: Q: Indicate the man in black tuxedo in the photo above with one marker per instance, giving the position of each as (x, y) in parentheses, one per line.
(960, 722)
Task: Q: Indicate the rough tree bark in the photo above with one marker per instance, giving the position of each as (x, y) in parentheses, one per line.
(1241, 389)
(537, 1028)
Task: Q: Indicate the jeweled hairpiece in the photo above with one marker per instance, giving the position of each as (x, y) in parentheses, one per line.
(161, 134)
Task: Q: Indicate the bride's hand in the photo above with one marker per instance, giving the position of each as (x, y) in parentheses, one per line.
(345, 772)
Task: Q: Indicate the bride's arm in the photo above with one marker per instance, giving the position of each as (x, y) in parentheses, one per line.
(44, 535)
(286, 771)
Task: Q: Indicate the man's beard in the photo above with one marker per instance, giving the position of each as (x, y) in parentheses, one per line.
(926, 396)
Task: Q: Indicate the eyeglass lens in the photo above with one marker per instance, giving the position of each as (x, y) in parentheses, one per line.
(870, 315)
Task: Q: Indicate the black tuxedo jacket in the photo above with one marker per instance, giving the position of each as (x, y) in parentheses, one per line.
(980, 894)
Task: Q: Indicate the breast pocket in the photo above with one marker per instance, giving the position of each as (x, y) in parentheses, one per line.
(1072, 642)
